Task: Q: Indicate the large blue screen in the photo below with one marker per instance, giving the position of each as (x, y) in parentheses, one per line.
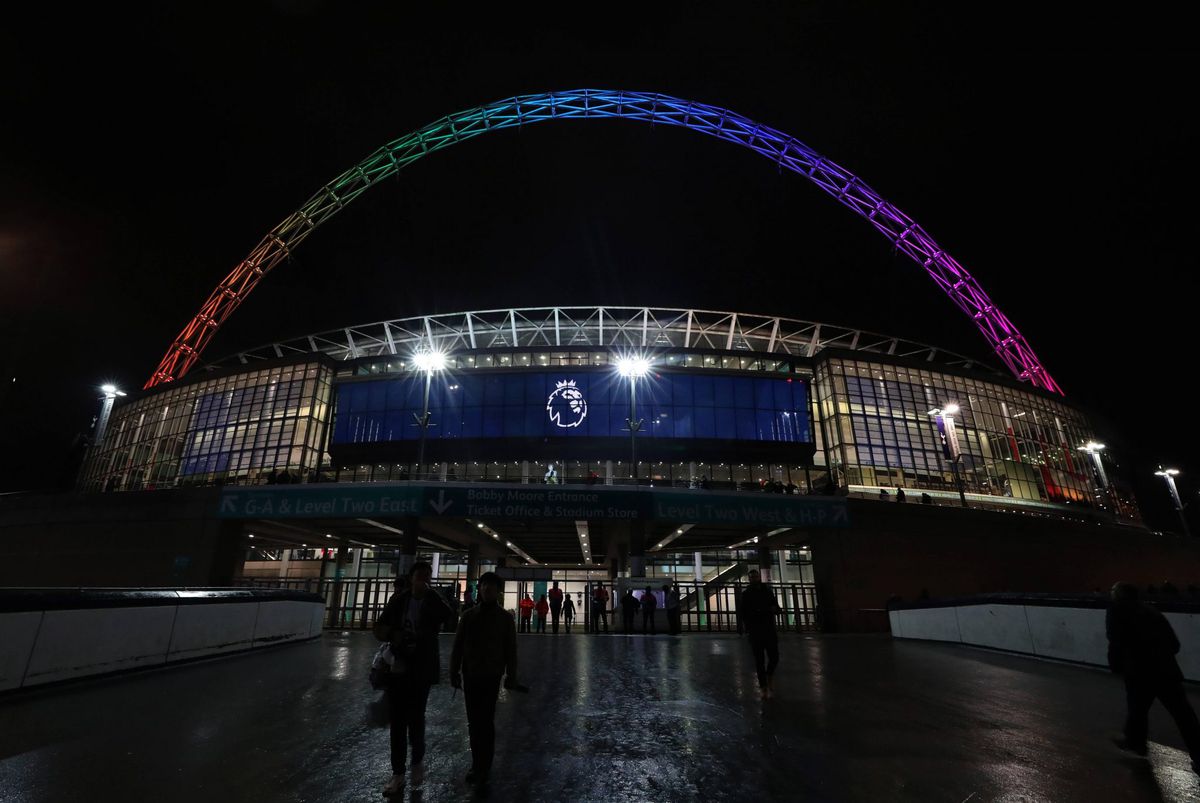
(574, 403)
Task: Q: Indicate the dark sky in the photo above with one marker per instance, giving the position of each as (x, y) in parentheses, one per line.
(143, 152)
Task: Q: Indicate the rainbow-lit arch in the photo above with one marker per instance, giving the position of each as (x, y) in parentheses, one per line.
(788, 152)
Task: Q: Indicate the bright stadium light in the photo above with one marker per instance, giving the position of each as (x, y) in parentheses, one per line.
(427, 361)
(430, 360)
(1169, 475)
(949, 436)
(111, 392)
(633, 366)
(1093, 450)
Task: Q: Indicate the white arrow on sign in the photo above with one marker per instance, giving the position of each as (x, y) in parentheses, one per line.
(441, 504)
(229, 503)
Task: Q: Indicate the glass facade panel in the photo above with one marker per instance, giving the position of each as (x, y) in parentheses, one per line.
(576, 403)
(243, 428)
(878, 430)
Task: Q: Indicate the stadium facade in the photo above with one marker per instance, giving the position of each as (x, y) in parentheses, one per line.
(731, 401)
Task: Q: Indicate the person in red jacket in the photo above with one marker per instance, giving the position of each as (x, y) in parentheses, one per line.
(543, 610)
(526, 607)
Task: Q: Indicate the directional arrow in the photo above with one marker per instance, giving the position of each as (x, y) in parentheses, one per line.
(441, 504)
(229, 503)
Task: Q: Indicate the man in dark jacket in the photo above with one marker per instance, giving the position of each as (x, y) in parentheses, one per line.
(674, 602)
(629, 606)
(756, 610)
(410, 624)
(1142, 648)
(485, 648)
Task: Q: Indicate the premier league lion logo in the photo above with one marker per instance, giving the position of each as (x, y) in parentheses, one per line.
(566, 405)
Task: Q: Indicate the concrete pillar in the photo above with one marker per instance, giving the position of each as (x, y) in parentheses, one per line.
(437, 564)
(356, 565)
(472, 563)
(764, 558)
(692, 475)
(698, 567)
(524, 472)
(637, 549)
(285, 557)
(408, 546)
(335, 603)
(608, 472)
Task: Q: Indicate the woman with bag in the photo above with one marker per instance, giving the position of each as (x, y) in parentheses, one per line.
(410, 624)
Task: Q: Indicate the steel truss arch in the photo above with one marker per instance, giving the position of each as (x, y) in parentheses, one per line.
(788, 152)
(591, 327)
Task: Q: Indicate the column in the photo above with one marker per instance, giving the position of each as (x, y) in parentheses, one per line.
(408, 546)
(637, 549)
(472, 563)
(764, 558)
(285, 557)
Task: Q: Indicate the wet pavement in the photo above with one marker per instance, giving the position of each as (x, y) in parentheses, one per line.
(609, 718)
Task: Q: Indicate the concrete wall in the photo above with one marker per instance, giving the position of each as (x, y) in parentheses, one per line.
(1050, 631)
(39, 647)
(893, 548)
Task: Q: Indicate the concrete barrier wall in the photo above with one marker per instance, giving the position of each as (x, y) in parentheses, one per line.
(1061, 632)
(38, 647)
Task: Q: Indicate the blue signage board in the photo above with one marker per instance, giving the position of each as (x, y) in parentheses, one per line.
(493, 501)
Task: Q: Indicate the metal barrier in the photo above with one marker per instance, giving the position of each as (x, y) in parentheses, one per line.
(715, 609)
(356, 602)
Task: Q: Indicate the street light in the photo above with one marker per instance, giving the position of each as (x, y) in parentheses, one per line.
(111, 393)
(1169, 475)
(945, 425)
(1093, 449)
(428, 361)
(633, 367)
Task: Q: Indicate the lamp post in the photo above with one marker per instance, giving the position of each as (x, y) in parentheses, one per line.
(945, 424)
(1093, 449)
(633, 368)
(428, 362)
(111, 393)
(1169, 475)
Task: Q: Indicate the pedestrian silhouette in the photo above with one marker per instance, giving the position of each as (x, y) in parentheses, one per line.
(629, 606)
(1142, 648)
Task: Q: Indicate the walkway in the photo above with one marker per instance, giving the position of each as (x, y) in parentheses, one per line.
(610, 718)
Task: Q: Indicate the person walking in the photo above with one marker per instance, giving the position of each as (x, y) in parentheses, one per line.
(1142, 648)
(629, 606)
(485, 650)
(673, 603)
(556, 603)
(568, 612)
(599, 607)
(649, 606)
(410, 623)
(756, 610)
(543, 611)
(527, 606)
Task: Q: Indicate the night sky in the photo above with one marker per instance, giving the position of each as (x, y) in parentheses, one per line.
(144, 152)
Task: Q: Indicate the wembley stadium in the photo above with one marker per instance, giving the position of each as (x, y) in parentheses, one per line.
(578, 444)
(733, 400)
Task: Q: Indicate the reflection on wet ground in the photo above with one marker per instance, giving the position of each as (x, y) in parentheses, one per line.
(609, 718)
